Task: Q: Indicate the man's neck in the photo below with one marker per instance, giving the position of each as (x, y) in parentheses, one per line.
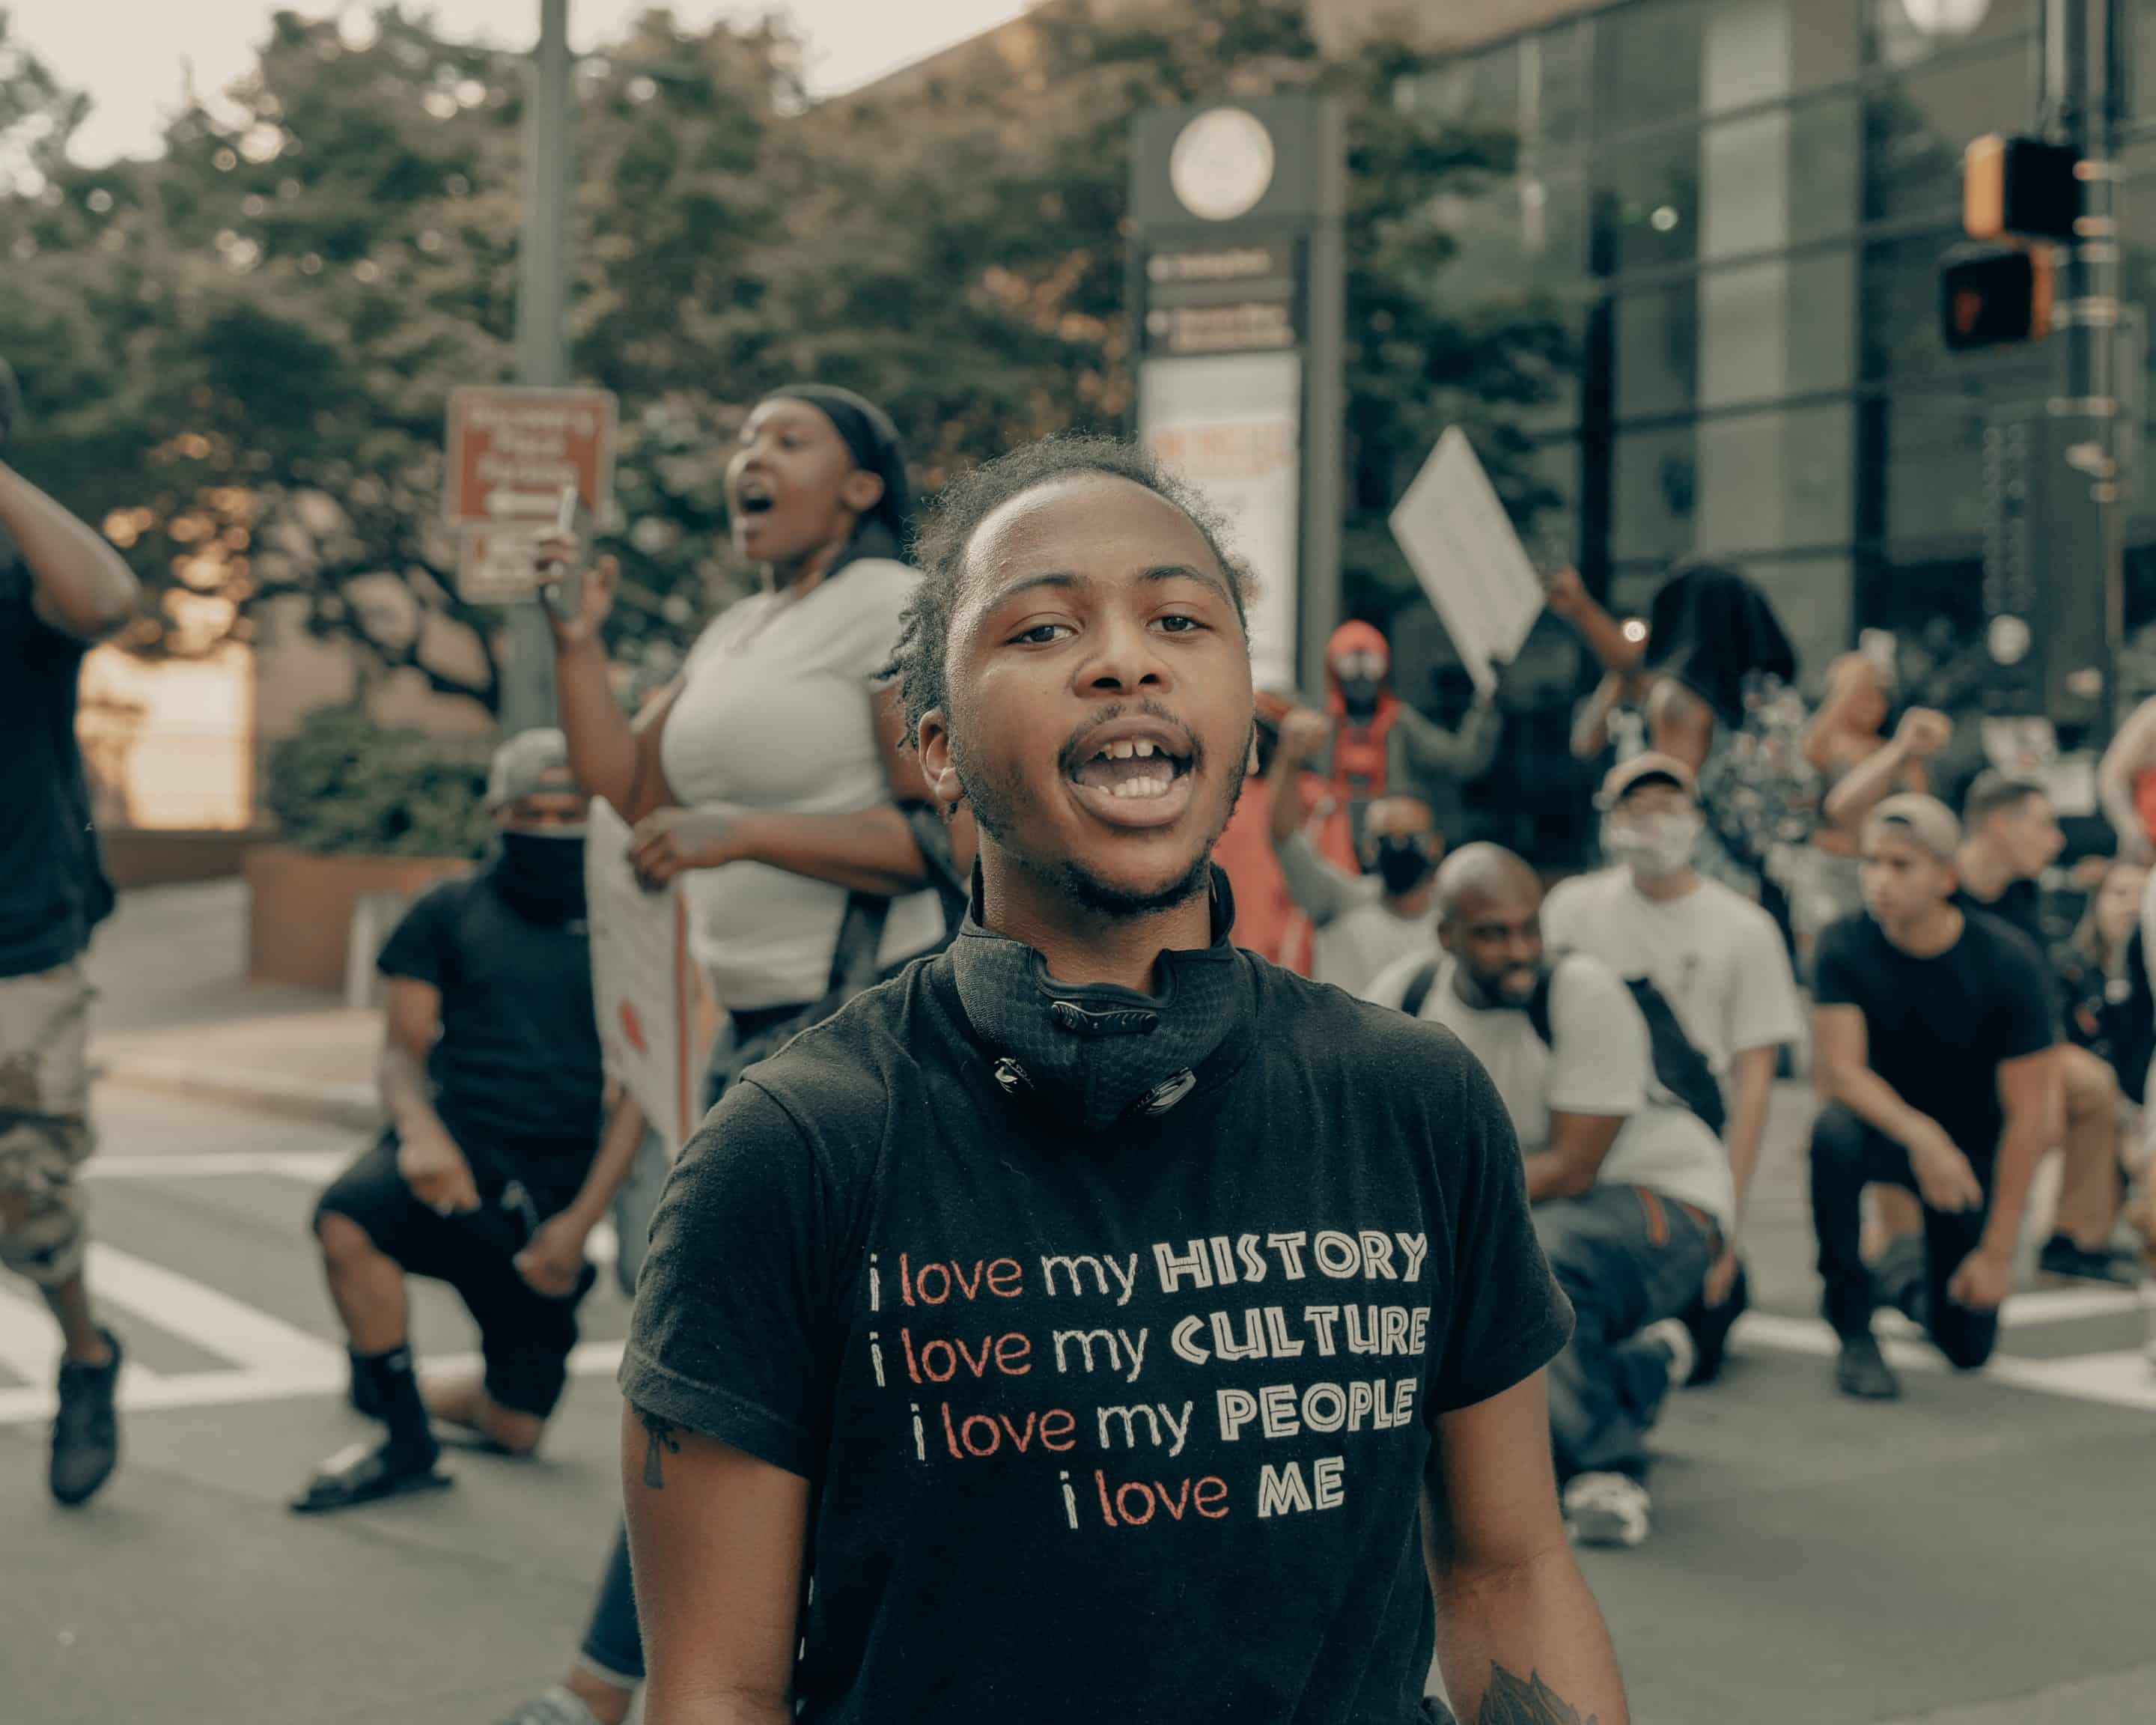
(1984, 873)
(1412, 905)
(797, 575)
(1928, 933)
(1083, 946)
(1666, 889)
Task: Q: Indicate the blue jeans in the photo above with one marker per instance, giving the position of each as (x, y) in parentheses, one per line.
(613, 1643)
(1625, 1257)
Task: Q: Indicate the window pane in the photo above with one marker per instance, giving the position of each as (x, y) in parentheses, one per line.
(1918, 125)
(1734, 483)
(1760, 183)
(1664, 62)
(1754, 332)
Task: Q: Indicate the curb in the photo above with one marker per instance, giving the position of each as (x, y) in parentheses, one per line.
(330, 1102)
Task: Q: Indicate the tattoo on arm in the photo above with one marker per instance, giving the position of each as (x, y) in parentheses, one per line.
(661, 1438)
(1510, 1701)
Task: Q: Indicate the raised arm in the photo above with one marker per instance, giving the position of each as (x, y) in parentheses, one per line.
(2131, 752)
(1423, 745)
(1519, 1637)
(1920, 736)
(1605, 635)
(1590, 731)
(80, 585)
(717, 1542)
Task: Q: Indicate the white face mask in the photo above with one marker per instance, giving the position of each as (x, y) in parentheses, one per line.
(1653, 846)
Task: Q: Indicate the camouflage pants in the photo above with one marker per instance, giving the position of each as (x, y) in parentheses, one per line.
(44, 1123)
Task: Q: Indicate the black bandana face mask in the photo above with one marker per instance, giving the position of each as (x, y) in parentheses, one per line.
(542, 875)
(1091, 1055)
(1402, 862)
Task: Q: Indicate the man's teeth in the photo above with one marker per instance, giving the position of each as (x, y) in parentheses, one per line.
(1126, 751)
(1147, 786)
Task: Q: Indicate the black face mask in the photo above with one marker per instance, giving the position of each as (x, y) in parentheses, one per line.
(1402, 862)
(542, 875)
(1088, 1055)
(1360, 694)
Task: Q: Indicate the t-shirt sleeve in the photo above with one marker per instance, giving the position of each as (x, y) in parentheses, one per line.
(1389, 986)
(877, 592)
(1561, 914)
(1763, 1007)
(1599, 1054)
(1837, 977)
(1507, 1317)
(2022, 986)
(1322, 891)
(423, 946)
(731, 1332)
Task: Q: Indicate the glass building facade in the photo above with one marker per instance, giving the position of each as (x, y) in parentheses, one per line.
(1741, 207)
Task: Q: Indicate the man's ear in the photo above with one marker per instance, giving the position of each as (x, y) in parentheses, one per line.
(941, 774)
(860, 490)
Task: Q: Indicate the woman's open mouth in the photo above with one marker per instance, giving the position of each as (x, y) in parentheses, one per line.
(1133, 775)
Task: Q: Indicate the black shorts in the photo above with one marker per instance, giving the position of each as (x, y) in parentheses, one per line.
(525, 1336)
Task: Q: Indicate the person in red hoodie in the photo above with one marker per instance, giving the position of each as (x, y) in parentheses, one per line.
(1383, 746)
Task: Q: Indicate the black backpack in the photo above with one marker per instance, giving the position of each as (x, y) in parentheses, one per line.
(1680, 1068)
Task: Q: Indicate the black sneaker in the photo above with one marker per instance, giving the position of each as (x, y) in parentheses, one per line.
(86, 1431)
(1862, 1371)
(1710, 1327)
(2062, 1256)
(363, 1475)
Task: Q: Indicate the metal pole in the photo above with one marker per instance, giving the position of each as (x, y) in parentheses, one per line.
(542, 347)
(1324, 402)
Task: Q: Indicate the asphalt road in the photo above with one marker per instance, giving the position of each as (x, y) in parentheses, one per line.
(1978, 1554)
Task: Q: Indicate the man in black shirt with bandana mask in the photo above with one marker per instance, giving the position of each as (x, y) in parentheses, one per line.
(492, 1174)
(1118, 1327)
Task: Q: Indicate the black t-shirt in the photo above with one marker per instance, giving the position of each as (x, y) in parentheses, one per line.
(1120, 1427)
(516, 1068)
(1938, 1028)
(53, 889)
(2020, 906)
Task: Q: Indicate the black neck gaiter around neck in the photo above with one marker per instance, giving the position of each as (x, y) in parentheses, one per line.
(540, 876)
(1089, 1055)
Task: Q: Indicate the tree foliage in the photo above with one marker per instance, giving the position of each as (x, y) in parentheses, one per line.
(238, 355)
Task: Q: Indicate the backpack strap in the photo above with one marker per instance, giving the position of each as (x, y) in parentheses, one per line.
(1418, 988)
(1539, 1002)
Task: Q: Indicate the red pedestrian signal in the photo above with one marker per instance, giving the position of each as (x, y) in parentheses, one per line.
(1996, 294)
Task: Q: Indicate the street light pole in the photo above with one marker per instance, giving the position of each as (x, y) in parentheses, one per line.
(542, 347)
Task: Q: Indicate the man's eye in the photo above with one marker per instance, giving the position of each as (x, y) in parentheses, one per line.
(1039, 636)
(1177, 624)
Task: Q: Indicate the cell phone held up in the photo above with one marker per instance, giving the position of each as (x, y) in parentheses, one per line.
(564, 590)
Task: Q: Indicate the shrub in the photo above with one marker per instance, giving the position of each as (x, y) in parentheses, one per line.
(343, 784)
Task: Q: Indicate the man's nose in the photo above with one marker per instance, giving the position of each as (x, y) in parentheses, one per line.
(1126, 656)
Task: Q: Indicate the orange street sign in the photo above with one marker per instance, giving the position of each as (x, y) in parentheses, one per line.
(510, 451)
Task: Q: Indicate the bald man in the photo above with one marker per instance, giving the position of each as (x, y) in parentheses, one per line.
(1632, 1195)
(1365, 922)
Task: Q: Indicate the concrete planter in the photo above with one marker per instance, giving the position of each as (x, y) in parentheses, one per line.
(300, 925)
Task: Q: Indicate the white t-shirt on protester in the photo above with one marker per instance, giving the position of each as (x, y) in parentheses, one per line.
(1598, 1061)
(775, 713)
(1715, 956)
(1356, 937)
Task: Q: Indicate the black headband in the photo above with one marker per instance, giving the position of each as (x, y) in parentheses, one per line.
(868, 434)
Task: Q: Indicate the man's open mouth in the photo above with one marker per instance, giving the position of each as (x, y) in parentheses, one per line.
(753, 496)
(1136, 763)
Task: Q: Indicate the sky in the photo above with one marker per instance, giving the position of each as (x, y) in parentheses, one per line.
(132, 56)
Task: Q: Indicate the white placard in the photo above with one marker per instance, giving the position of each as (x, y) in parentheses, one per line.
(1468, 557)
(642, 983)
(1231, 425)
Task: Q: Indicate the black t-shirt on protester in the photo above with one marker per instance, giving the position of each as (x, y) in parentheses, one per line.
(53, 889)
(516, 1069)
(1082, 1411)
(1937, 1029)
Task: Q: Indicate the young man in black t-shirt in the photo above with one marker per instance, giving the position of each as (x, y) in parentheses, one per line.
(492, 1174)
(2009, 836)
(1932, 1032)
(1115, 1325)
(62, 587)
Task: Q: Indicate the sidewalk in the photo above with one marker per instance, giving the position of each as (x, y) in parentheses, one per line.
(175, 1012)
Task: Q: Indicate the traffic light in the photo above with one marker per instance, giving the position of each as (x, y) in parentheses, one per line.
(2022, 187)
(1990, 295)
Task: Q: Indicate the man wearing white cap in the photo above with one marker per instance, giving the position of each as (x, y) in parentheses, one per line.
(492, 1174)
(1932, 1033)
(1711, 953)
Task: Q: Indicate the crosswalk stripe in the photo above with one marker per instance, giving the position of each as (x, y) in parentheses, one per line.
(214, 1321)
(2124, 1378)
(315, 1166)
(146, 1392)
(29, 1339)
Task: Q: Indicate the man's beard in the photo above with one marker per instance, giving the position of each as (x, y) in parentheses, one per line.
(999, 802)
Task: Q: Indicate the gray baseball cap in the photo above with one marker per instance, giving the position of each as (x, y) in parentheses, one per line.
(1924, 821)
(529, 762)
